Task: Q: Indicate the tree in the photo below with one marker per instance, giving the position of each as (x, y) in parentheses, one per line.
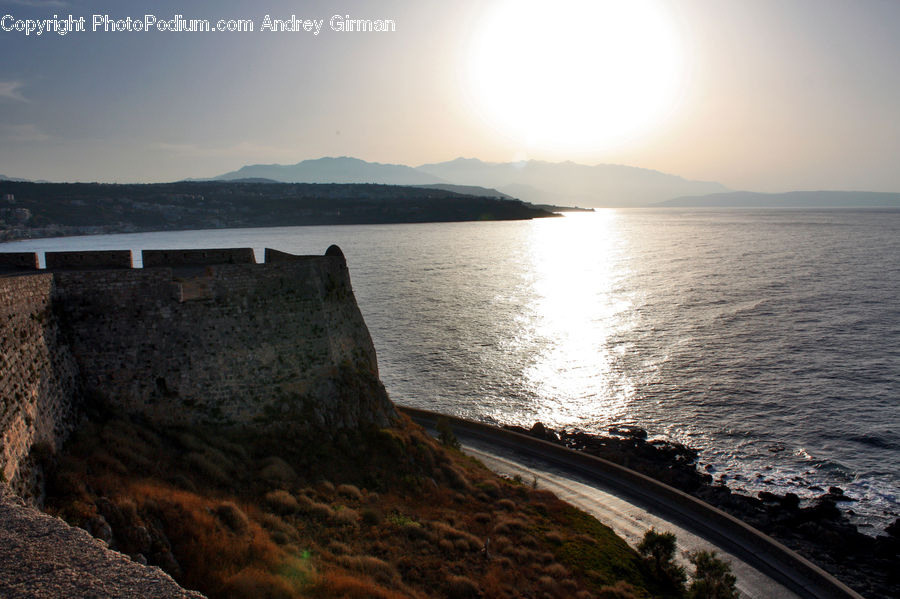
(659, 549)
(712, 577)
(446, 435)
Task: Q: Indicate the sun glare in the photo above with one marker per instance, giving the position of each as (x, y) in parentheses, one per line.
(574, 75)
(577, 266)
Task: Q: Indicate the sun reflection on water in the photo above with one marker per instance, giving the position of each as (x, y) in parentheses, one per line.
(580, 311)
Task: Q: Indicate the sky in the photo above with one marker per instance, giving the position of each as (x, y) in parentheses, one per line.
(760, 95)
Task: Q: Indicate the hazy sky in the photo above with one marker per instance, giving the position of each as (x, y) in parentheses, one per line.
(765, 95)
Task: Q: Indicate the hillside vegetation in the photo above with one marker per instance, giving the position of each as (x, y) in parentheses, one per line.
(383, 513)
(52, 209)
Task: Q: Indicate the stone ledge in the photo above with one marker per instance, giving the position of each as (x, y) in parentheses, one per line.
(43, 557)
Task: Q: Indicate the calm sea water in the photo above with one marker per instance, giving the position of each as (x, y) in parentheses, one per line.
(769, 340)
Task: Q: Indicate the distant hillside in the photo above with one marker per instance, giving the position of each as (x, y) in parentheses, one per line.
(793, 199)
(570, 183)
(334, 170)
(55, 209)
(471, 190)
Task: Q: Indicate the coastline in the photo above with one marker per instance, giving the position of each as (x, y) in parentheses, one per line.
(818, 529)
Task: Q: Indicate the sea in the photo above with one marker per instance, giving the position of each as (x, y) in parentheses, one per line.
(769, 340)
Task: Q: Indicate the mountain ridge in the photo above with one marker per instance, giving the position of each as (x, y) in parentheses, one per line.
(535, 181)
(789, 199)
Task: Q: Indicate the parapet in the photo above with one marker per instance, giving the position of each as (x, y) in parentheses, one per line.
(275, 256)
(208, 257)
(18, 261)
(88, 260)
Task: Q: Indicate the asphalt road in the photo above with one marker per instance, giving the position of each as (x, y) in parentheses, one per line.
(631, 503)
(627, 520)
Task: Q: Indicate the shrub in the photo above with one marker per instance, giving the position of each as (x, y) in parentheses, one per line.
(620, 590)
(462, 587)
(508, 526)
(446, 435)
(378, 569)
(556, 570)
(338, 548)
(554, 537)
(712, 577)
(321, 511)
(659, 549)
(276, 469)
(350, 492)
(547, 582)
(491, 488)
(370, 517)
(203, 465)
(345, 516)
(253, 583)
(482, 517)
(506, 504)
(274, 524)
(282, 502)
(233, 517)
(343, 586)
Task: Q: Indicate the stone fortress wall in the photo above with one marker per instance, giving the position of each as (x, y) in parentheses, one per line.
(196, 336)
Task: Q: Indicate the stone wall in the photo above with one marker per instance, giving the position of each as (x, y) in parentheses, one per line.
(198, 257)
(88, 260)
(281, 343)
(38, 378)
(224, 344)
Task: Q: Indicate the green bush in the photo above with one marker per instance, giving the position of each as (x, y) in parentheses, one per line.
(659, 549)
(446, 435)
(712, 577)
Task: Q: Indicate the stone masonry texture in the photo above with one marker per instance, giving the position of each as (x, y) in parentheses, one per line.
(184, 340)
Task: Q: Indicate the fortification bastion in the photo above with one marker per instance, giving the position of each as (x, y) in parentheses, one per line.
(195, 336)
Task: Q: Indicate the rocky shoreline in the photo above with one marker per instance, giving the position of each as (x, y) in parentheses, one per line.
(817, 529)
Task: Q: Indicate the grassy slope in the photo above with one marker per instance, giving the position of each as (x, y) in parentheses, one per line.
(382, 513)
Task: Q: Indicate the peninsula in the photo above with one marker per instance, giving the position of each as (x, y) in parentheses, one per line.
(34, 210)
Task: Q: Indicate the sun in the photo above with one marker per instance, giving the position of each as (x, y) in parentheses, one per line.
(573, 75)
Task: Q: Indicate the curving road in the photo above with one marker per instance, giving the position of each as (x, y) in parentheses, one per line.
(631, 503)
(627, 520)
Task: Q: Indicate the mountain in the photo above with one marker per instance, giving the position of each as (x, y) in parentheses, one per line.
(532, 181)
(571, 183)
(334, 170)
(793, 199)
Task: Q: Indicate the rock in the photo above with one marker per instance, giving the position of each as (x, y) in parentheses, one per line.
(140, 539)
(46, 557)
(893, 529)
(823, 509)
(100, 529)
(791, 501)
(165, 560)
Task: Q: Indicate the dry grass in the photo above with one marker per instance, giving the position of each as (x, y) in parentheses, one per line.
(344, 516)
(399, 517)
(351, 492)
(282, 502)
(233, 517)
